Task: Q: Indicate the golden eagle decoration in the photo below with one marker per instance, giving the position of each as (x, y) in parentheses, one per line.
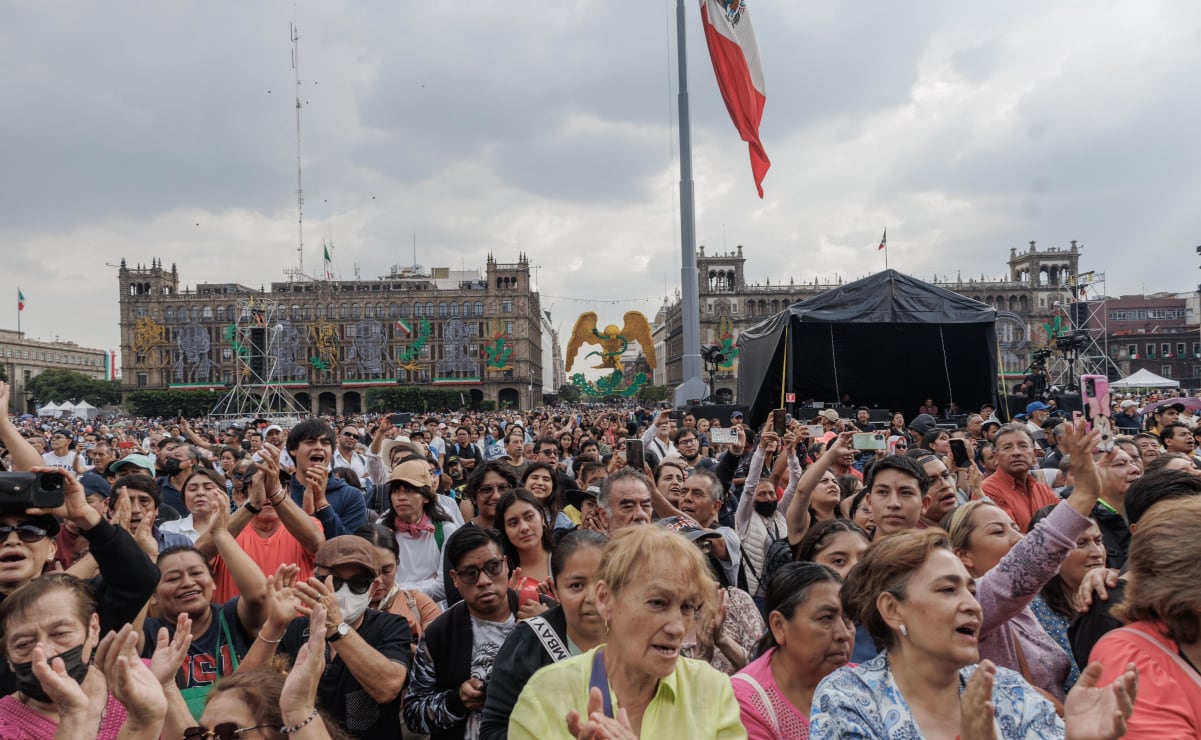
(613, 343)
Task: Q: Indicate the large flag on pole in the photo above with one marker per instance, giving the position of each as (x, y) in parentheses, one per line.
(735, 56)
(20, 300)
(328, 272)
(883, 240)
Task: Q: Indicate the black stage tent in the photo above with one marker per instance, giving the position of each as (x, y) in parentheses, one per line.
(889, 340)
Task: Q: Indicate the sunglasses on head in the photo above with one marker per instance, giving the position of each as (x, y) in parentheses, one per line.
(223, 731)
(358, 585)
(28, 533)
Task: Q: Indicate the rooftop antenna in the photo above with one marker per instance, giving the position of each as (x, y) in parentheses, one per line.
(295, 36)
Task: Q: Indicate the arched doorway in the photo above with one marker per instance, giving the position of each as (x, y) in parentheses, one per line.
(477, 397)
(327, 403)
(305, 402)
(508, 398)
(351, 402)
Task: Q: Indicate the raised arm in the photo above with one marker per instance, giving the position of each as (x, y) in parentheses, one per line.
(746, 503)
(193, 437)
(246, 574)
(24, 457)
(299, 524)
(797, 514)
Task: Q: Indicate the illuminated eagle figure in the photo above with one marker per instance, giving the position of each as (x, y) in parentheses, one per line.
(613, 341)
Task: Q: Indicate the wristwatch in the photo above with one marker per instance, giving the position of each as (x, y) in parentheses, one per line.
(251, 508)
(342, 630)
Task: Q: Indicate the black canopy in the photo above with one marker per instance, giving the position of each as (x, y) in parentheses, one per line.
(889, 340)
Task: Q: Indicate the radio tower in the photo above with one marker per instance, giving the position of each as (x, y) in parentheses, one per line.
(295, 35)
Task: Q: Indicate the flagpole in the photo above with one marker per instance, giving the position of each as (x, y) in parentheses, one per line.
(18, 310)
(692, 385)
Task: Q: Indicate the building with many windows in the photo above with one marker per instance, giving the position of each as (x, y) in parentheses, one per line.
(25, 359)
(1041, 284)
(1157, 332)
(326, 341)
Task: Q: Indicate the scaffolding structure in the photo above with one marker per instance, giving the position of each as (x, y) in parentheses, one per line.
(262, 343)
(1082, 346)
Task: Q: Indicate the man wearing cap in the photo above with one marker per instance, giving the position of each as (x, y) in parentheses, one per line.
(62, 452)
(1128, 420)
(131, 464)
(1037, 413)
(922, 425)
(1165, 415)
(369, 650)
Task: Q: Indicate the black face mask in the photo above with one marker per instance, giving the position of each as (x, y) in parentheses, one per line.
(766, 508)
(29, 685)
(171, 466)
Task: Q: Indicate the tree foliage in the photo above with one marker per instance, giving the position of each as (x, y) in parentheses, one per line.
(411, 398)
(653, 393)
(569, 394)
(63, 385)
(172, 403)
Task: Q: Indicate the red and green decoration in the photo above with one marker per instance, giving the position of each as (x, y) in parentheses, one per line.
(725, 343)
(609, 385)
(411, 352)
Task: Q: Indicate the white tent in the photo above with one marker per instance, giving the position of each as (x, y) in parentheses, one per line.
(85, 410)
(50, 409)
(1144, 379)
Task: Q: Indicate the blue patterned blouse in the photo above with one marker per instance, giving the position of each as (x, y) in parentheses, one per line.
(1056, 626)
(864, 702)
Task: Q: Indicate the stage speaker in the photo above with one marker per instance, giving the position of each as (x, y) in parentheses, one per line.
(718, 411)
(1068, 402)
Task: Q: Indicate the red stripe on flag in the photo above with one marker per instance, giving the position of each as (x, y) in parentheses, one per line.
(728, 51)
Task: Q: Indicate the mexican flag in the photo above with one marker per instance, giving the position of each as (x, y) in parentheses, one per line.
(404, 327)
(20, 300)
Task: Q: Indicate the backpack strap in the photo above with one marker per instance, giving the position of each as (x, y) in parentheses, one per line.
(549, 638)
(763, 697)
(439, 538)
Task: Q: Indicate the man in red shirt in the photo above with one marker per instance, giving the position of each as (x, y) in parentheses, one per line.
(1012, 487)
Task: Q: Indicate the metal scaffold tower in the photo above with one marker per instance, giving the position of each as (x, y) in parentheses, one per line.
(1083, 339)
(263, 345)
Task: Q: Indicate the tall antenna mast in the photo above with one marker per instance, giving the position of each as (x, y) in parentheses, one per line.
(295, 35)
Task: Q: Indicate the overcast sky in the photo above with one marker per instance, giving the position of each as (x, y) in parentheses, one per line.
(144, 130)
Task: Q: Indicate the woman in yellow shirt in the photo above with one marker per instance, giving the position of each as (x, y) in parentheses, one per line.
(650, 586)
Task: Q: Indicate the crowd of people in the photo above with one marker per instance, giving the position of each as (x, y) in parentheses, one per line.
(601, 572)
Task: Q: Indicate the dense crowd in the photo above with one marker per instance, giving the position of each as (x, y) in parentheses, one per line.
(603, 572)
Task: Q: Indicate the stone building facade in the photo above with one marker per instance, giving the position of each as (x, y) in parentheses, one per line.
(1040, 284)
(24, 359)
(327, 341)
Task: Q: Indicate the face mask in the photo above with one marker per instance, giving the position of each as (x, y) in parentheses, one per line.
(28, 684)
(171, 466)
(766, 508)
(352, 605)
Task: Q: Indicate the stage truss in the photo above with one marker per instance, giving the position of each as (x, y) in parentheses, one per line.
(262, 344)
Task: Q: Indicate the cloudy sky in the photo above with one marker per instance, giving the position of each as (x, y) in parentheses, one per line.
(144, 130)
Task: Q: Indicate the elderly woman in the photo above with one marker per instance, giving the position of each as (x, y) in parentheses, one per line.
(915, 597)
(1162, 610)
(808, 638)
(569, 629)
(651, 584)
(1011, 569)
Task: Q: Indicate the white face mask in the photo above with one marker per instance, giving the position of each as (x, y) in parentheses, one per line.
(350, 604)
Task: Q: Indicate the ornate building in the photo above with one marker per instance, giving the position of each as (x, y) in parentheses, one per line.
(1041, 284)
(24, 359)
(326, 341)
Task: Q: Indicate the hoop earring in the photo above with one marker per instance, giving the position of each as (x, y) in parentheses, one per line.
(904, 632)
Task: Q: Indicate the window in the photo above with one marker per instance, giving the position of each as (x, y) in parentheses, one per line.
(1150, 351)
(1197, 350)
(393, 311)
(479, 308)
(403, 311)
(169, 317)
(220, 313)
(355, 311)
(143, 380)
(442, 312)
(418, 310)
(506, 306)
(429, 309)
(509, 328)
(1132, 350)
(139, 311)
(369, 311)
(1165, 371)
(1166, 349)
(1180, 350)
(207, 313)
(454, 310)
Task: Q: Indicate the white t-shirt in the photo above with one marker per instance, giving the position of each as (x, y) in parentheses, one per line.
(66, 463)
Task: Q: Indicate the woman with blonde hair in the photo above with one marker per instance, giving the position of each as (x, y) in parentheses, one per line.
(1162, 611)
(650, 586)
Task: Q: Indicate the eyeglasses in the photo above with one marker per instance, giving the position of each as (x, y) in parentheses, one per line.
(28, 533)
(549, 452)
(493, 489)
(350, 434)
(358, 584)
(471, 574)
(223, 731)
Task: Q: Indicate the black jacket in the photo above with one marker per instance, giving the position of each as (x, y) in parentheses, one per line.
(1115, 532)
(126, 582)
(519, 658)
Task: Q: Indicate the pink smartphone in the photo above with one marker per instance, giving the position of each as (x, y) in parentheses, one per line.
(1094, 395)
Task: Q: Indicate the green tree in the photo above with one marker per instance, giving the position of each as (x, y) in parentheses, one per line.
(60, 385)
(172, 403)
(653, 393)
(569, 394)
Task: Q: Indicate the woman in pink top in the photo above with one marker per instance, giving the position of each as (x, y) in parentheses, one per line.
(808, 637)
(1162, 607)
